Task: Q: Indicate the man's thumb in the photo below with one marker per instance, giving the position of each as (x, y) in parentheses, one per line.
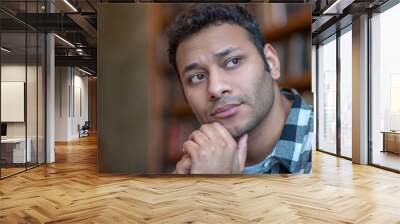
(242, 150)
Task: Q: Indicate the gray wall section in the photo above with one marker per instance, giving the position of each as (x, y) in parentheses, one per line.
(122, 88)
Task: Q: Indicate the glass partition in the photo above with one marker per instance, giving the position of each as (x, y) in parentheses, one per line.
(22, 88)
(14, 153)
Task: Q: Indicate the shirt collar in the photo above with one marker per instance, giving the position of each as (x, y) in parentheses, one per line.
(282, 153)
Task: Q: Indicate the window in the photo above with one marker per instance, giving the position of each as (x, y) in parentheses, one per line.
(346, 92)
(385, 88)
(327, 96)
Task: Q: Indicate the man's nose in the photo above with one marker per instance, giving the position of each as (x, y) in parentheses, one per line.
(217, 85)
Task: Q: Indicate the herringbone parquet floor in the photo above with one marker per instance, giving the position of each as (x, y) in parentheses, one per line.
(70, 191)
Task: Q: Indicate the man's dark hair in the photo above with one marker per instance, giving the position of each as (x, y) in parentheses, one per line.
(201, 16)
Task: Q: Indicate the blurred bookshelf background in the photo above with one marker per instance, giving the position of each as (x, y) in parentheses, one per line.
(286, 26)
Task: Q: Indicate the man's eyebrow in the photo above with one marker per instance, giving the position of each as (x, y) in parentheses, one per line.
(191, 66)
(220, 54)
(224, 52)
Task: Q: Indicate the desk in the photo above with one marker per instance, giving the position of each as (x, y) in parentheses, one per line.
(391, 141)
(15, 148)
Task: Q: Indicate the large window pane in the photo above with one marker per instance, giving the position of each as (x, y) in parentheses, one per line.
(385, 84)
(345, 94)
(327, 96)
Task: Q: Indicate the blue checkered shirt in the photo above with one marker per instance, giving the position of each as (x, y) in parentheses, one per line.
(292, 153)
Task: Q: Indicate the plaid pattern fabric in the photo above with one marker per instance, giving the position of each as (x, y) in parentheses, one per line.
(292, 153)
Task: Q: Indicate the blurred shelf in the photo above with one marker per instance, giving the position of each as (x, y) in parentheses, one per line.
(181, 110)
(174, 157)
(299, 21)
(300, 83)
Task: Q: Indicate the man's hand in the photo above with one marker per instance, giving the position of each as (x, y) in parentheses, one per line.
(213, 150)
(183, 166)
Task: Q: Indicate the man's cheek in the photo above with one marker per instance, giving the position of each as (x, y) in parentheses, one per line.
(200, 113)
(200, 116)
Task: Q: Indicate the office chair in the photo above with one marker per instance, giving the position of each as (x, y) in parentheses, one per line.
(84, 130)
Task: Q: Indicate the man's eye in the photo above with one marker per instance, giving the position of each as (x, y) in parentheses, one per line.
(232, 62)
(196, 78)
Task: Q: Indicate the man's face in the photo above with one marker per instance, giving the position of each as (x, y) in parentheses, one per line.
(224, 78)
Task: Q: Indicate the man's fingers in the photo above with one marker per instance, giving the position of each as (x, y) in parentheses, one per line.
(184, 165)
(223, 132)
(199, 137)
(190, 148)
(189, 144)
(242, 151)
(208, 130)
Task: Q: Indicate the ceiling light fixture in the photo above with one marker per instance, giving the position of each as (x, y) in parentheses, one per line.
(70, 5)
(65, 41)
(337, 7)
(5, 50)
(84, 71)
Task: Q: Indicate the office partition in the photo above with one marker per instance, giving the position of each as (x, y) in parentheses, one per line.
(22, 88)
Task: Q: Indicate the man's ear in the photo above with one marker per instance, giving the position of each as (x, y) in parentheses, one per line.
(273, 61)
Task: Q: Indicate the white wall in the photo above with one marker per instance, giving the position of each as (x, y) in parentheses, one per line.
(81, 103)
(62, 80)
(70, 83)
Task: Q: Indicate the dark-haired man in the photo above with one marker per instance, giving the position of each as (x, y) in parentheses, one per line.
(229, 78)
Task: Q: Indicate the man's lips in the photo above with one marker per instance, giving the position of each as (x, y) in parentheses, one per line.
(226, 110)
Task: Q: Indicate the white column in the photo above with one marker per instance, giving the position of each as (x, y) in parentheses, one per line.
(360, 90)
(50, 92)
(314, 92)
(50, 99)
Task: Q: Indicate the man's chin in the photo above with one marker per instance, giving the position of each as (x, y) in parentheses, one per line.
(229, 125)
(236, 132)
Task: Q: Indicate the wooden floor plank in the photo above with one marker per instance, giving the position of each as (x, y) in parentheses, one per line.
(70, 191)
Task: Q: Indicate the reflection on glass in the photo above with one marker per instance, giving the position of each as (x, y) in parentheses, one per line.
(345, 94)
(327, 96)
(385, 86)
